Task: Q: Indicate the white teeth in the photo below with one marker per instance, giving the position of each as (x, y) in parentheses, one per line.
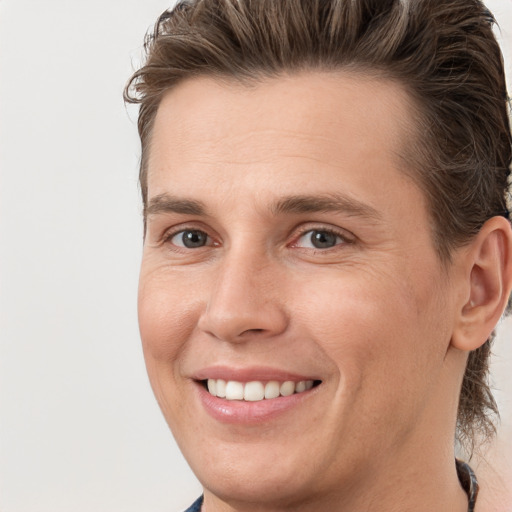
(300, 386)
(272, 389)
(255, 391)
(212, 387)
(221, 388)
(234, 390)
(287, 388)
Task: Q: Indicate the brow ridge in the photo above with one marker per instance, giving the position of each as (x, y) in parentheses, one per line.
(296, 204)
(165, 203)
(325, 203)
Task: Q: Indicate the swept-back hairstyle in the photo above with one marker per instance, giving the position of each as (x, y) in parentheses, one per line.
(442, 51)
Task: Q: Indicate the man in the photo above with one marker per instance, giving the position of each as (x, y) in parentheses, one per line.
(327, 246)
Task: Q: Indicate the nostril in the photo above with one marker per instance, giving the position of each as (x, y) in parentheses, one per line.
(252, 331)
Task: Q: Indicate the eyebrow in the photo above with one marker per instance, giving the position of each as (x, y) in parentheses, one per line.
(335, 203)
(297, 204)
(164, 203)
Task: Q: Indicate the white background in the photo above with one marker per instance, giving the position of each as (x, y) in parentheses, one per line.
(79, 427)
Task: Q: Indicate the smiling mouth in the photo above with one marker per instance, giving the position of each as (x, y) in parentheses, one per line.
(256, 391)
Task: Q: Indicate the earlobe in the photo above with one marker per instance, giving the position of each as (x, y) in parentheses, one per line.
(488, 284)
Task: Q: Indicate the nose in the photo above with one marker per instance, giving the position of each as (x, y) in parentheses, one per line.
(245, 301)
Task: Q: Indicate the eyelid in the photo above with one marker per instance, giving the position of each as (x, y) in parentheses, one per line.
(345, 235)
(207, 241)
(302, 230)
(170, 233)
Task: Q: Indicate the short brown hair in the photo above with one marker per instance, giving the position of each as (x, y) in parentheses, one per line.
(444, 53)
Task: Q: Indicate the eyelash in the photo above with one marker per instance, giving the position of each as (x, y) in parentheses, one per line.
(168, 236)
(342, 235)
(344, 239)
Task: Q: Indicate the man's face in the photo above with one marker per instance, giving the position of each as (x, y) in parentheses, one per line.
(284, 244)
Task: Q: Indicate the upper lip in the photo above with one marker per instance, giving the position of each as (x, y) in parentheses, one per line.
(249, 374)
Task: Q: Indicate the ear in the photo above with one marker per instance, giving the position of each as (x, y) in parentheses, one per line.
(488, 282)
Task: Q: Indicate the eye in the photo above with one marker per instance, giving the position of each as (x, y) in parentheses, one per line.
(190, 239)
(319, 239)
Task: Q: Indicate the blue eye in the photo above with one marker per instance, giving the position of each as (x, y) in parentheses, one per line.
(319, 239)
(190, 239)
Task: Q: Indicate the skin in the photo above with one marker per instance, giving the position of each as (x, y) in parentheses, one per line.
(374, 317)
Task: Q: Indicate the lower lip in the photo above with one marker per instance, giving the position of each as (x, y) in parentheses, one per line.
(242, 412)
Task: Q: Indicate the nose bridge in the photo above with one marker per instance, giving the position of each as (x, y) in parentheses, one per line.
(243, 298)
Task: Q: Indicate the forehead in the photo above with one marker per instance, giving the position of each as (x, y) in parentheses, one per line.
(308, 114)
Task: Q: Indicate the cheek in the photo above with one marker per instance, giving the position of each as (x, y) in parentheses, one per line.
(377, 329)
(167, 315)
